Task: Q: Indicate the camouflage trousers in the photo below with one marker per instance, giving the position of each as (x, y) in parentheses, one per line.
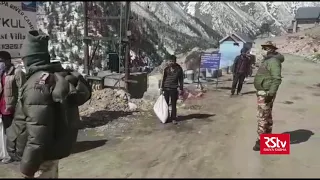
(264, 114)
(48, 169)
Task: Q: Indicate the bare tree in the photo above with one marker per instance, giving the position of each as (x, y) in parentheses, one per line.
(265, 29)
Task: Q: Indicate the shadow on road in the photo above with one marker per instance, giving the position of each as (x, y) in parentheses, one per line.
(194, 116)
(225, 88)
(299, 136)
(100, 118)
(83, 146)
(249, 92)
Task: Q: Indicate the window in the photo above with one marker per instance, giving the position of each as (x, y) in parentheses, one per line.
(236, 44)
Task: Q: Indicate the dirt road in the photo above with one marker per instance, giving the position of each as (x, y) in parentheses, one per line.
(214, 138)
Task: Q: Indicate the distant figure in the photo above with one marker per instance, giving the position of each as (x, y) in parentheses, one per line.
(267, 82)
(241, 69)
(171, 81)
(45, 125)
(253, 63)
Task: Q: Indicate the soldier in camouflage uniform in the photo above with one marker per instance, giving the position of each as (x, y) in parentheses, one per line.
(267, 82)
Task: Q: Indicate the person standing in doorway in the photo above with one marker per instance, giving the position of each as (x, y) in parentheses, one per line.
(267, 82)
(12, 80)
(172, 85)
(241, 69)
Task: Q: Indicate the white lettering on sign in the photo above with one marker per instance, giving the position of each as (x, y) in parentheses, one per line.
(274, 142)
(15, 23)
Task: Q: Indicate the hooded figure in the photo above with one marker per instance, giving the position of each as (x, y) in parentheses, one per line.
(267, 82)
(45, 125)
(241, 69)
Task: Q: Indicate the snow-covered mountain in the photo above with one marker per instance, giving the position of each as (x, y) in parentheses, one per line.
(227, 17)
(161, 27)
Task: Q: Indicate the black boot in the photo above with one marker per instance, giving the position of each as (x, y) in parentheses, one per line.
(256, 147)
(269, 131)
(168, 120)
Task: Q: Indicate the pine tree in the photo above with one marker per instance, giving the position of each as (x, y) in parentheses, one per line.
(71, 57)
(63, 47)
(53, 53)
(75, 30)
(61, 55)
(58, 51)
(69, 31)
(63, 25)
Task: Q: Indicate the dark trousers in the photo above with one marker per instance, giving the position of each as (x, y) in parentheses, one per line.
(172, 95)
(7, 121)
(238, 79)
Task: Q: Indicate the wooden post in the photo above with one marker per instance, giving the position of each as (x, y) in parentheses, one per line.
(86, 45)
(199, 71)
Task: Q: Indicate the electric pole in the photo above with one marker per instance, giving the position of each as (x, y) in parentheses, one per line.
(86, 41)
(127, 41)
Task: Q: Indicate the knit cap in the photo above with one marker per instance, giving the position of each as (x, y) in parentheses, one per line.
(34, 49)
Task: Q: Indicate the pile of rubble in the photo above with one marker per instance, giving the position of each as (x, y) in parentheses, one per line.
(306, 44)
(110, 111)
(300, 45)
(110, 100)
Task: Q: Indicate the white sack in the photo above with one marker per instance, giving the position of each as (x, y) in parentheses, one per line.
(161, 109)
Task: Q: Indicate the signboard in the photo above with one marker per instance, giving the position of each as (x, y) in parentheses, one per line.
(210, 61)
(16, 19)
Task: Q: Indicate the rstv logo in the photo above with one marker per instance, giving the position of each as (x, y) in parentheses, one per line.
(275, 144)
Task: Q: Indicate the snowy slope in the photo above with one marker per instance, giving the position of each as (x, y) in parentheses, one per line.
(227, 17)
(160, 28)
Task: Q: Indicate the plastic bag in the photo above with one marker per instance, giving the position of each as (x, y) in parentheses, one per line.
(3, 148)
(161, 109)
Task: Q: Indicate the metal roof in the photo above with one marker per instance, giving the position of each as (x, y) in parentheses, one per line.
(308, 13)
(244, 38)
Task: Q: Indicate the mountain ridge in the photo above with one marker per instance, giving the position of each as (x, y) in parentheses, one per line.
(160, 28)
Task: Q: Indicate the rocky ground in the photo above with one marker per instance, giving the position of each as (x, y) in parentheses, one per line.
(305, 43)
(214, 137)
(110, 110)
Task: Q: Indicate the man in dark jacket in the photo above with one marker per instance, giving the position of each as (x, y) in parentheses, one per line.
(45, 124)
(267, 82)
(171, 81)
(241, 68)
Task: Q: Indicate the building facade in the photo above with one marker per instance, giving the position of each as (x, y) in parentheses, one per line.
(305, 18)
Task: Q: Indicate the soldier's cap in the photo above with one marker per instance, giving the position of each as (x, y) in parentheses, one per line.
(269, 44)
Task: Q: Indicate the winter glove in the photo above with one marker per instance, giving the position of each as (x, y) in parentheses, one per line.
(269, 98)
